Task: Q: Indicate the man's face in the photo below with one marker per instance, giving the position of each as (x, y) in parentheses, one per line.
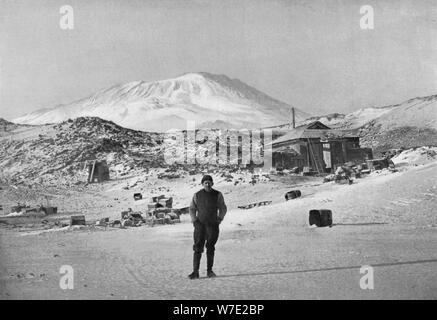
(207, 185)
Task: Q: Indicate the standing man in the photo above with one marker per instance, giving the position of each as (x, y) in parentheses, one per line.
(207, 210)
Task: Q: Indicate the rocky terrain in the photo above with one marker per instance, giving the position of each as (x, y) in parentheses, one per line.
(57, 153)
(410, 124)
(6, 126)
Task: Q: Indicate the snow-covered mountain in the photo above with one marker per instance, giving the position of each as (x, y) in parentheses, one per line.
(417, 112)
(354, 119)
(351, 120)
(212, 101)
(412, 123)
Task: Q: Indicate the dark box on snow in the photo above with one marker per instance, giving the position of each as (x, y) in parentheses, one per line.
(77, 220)
(321, 217)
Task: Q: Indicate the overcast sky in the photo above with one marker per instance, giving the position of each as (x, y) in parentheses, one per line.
(311, 54)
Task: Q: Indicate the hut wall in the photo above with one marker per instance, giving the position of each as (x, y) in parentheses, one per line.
(287, 160)
(100, 173)
(359, 155)
(336, 153)
(315, 155)
(291, 159)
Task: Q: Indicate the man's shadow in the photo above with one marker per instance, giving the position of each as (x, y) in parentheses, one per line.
(388, 264)
(359, 224)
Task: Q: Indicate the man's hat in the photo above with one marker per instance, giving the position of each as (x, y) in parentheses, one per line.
(206, 177)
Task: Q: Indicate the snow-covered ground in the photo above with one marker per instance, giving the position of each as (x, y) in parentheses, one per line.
(415, 156)
(386, 220)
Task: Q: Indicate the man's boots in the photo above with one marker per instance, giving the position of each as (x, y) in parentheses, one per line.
(196, 265)
(209, 264)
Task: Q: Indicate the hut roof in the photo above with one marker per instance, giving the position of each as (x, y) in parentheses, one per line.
(313, 130)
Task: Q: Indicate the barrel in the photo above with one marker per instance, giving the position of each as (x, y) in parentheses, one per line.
(292, 195)
(320, 217)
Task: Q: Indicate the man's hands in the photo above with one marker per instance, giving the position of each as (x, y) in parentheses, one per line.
(196, 219)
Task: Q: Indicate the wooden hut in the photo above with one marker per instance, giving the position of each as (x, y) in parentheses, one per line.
(318, 147)
(98, 170)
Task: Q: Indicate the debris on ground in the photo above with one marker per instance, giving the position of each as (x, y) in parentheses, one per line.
(166, 202)
(130, 218)
(169, 175)
(329, 178)
(22, 214)
(256, 204)
(343, 174)
(307, 171)
(180, 211)
(160, 211)
(379, 164)
(102, 222)
(49, 210)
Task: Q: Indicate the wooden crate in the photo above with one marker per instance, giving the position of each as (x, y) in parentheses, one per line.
(166, 202)
(77, 220)
(50, 210)
(157, 198)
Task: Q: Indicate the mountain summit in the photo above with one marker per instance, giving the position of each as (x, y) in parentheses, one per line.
(212, 101)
